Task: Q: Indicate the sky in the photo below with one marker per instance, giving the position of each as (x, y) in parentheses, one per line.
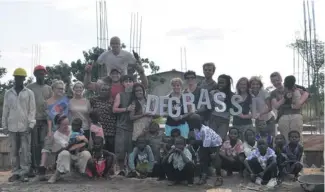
(243, 38)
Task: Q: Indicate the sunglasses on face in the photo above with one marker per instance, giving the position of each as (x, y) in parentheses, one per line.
(190, 78)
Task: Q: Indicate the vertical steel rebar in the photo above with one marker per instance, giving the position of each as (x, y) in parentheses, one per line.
(134, 23)
(181, 59)
(305, 41)
(185, 59)
(106, 27)
(140, 35)
(131, 32)
(97, 23)
(310, 46)
(137, 33)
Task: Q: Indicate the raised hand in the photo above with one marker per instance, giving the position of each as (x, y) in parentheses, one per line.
(88, 68)
(136, 55)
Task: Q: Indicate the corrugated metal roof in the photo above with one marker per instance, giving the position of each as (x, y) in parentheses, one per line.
(313, 142)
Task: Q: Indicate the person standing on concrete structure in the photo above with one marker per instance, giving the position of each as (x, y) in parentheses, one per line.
(18, 119)
(42, 92)
(116, 58)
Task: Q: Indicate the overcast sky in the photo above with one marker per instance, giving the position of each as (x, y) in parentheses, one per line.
(243, 38)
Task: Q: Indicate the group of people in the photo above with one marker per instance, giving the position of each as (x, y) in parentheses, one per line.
(112, 131)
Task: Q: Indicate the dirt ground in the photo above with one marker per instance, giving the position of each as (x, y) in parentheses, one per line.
(74, 183)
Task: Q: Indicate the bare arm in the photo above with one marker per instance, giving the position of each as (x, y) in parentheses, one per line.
(116, 105)
(88, 84)
(303, 97)
(143, 77)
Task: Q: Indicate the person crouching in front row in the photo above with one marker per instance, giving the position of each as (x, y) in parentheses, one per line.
(141, 160)
(232, 153)
(293, 153)
(178, 163)
(262, 165)
(155, 139)
(102, 162)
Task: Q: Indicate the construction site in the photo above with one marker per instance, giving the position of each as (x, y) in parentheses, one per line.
(308, 68)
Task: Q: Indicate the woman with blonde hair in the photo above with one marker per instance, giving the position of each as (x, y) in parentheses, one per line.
(57, 104)
(261, 105)
(243, 121)
(79, 107)
(180, 121)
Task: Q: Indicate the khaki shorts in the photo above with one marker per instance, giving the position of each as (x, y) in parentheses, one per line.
(48, 144)
(289, 123)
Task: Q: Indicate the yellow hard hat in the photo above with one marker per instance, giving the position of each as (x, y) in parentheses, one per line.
(20, 72)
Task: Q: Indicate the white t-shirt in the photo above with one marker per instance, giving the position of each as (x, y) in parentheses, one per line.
(120, 61)
(259, 104)
(60, 140)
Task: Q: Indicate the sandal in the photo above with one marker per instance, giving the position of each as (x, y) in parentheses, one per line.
(218, 182)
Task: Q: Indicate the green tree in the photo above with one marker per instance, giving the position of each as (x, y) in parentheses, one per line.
(90, 56)
(154, 78)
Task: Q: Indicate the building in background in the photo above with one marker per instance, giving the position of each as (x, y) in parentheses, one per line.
(160, 82)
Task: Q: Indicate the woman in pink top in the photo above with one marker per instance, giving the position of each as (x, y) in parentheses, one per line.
(95, 127)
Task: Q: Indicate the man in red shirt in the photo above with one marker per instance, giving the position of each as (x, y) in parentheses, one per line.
(115, 75)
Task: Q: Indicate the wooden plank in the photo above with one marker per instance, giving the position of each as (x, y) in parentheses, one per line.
(5, 161)
(4, 145)
(313, 142)
(1, 161)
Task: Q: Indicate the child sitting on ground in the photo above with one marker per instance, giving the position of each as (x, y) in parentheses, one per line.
(250, 144)
(141, 160)
(293, 151)
(263, 133)
(178, 163)
(154, 139)
(280, 156)
(76, 132)
(232, 153)
(102, 162)
(262, 165)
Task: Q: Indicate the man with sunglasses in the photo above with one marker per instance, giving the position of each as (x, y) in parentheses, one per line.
(42, 92)
(191, 81)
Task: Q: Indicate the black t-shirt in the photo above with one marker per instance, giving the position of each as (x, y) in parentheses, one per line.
(170, 121)
(246, 106)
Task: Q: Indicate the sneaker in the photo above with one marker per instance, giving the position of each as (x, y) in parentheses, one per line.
(258, 181)
(121, 173)
(55, 177)
(13, 178)
(24, 178)
(272, 183)
(172, 183)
